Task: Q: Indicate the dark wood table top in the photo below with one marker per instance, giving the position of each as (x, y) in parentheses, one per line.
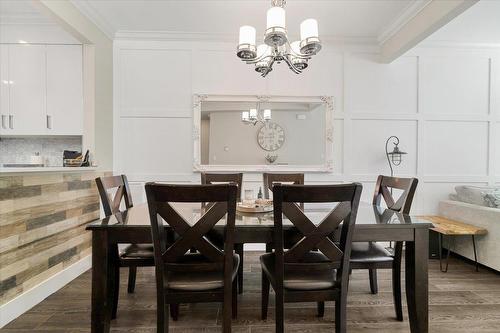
(369, 216)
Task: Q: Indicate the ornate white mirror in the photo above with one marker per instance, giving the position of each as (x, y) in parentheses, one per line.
(263, 133)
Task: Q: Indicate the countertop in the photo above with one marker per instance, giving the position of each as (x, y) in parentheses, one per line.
(46, 169)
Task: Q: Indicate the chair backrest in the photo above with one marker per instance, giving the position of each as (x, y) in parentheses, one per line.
(170, 248)
(383, 190)
(316, 236)
(120, 183)
(272, 178)
(218, 178)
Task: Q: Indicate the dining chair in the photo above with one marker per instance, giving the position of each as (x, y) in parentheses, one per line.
(270, 179)
(133, 255)
(373, 256)
(237, 178)
(209, 275)
(314, 269)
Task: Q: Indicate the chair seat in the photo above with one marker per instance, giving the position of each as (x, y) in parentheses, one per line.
(193, 280)
(304, 279)
(369, 252)
(138, 251)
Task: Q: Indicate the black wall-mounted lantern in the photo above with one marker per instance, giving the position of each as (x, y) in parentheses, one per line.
(395, 157)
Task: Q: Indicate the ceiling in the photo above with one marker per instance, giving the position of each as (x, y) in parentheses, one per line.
(478, 24)
(367, 19)
(20, 12)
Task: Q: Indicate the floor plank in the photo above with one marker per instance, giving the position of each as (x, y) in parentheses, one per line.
(460, 301)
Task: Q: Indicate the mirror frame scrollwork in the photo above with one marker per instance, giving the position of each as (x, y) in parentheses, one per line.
(325, 167)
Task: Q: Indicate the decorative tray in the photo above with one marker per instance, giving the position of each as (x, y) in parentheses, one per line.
(255, 206)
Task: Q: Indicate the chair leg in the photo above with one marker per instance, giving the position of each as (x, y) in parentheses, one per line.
(373, 281)
(116, 291)
(174, 311)
(396, 290)
(227, 308)
(161, 314)
(234, 296)
(264, 296)
(238, 248)
(132, 272)
(341, 313)
(280, 310)
(321, 309)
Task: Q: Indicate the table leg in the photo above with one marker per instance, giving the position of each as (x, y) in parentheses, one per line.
(417, 284)
(101, 282)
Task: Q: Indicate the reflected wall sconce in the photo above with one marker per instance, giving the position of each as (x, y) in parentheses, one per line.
(395, 157)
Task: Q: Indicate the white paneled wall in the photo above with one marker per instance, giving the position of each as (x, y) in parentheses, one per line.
(443, 103)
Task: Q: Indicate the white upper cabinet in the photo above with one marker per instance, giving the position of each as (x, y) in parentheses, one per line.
(41, 89)
(27, 90)
(4, 89)
(64, 90)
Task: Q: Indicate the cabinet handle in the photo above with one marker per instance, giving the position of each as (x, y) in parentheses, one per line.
(11, 121)
(49, 122)
(4, 121)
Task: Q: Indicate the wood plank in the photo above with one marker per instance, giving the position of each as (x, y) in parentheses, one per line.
(449, 227)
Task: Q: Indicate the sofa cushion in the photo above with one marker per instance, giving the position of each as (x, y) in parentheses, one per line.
(482, 196)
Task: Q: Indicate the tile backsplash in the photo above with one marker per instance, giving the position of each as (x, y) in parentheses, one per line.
(20, 150)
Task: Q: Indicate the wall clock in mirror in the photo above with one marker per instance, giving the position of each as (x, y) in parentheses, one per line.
(271, 136)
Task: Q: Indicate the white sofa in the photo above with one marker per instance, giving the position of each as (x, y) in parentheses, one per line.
(488, 246)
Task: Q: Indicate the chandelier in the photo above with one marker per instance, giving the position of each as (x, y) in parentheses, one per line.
(255, 116)
(277, 47)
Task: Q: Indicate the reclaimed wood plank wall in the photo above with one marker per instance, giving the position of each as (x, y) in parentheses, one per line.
(42, 226)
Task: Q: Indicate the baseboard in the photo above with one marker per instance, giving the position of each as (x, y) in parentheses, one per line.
(22, 303)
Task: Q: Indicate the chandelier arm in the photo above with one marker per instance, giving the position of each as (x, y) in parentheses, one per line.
(269, 67)
(291, 52)
(292, 66)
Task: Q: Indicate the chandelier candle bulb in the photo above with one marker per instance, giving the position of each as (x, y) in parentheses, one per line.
(309, 37)
(309, 29)
(245, 116)
(267, 114)
(253, 114)
(247, 35)
(276, 28)
(276, 18)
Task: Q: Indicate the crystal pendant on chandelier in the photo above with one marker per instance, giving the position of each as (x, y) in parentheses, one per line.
(277, 46)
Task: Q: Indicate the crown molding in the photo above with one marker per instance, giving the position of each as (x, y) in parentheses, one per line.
(406, 15)
(459, 45)
(93, 15)
(179, 36)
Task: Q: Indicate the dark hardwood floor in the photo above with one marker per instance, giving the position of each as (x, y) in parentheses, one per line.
(460, 301)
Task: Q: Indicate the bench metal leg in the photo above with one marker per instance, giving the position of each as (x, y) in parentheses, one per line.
(475, 254)
(450, 242)
(440, 243)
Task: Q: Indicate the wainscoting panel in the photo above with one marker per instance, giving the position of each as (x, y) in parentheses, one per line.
(155, 83)
(454, 85)
(156, 145)
(456, 148)
(369, 138)
(372, 87)
(213, 70)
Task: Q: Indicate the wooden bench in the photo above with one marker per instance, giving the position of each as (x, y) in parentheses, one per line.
(452, 228)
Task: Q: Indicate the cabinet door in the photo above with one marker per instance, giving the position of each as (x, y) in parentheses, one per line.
(27, 89)
(64, 90)
(4, 89)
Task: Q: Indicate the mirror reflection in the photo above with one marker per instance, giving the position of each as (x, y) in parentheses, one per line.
(262, 133)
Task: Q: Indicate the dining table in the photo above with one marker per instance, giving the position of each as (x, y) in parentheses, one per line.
(373, 223)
